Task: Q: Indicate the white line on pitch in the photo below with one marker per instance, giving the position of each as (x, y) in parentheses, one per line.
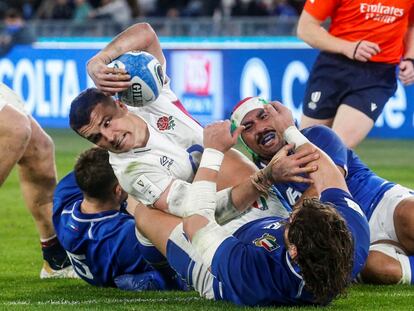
(95, 301)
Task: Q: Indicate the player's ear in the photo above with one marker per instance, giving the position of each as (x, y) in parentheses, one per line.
(118, 191)
(293, 251)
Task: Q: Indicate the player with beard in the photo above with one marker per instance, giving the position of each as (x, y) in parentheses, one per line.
(388, 206)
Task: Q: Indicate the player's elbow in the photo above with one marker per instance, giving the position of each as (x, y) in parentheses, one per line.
(146, 32)
(307, 27)
(302, 31)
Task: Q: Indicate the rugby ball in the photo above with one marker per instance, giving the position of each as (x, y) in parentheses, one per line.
(146, 76)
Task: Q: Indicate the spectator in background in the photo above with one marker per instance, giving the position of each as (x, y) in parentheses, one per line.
(116, 10)
(170, 8)
(81, 11)
(249, 8)
(15, 31)
(354, 75)
(45, 9)
(62, 9)
(282, 8)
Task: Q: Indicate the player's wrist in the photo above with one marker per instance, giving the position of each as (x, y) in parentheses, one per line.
(261, 181)
(293, 136)
(212, 159)
(409, 59)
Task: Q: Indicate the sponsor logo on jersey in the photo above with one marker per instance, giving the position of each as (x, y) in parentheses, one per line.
(166, 161)
(381, 13)
(267, 241)
(165, 123)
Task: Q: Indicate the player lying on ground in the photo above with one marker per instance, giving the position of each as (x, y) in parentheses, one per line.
(308, 258)
(23, 142)
(389, 207)
(96, 230)
(151, 161)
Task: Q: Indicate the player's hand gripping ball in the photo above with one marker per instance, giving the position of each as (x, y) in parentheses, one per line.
(146, 76)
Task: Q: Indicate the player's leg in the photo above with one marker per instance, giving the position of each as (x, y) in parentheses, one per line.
(392, 221)
(38, 179)
(404, 223)
(158, 229)
(351, 125)
(166, 233)
(383, 265)
(15, 132)
(306, 121)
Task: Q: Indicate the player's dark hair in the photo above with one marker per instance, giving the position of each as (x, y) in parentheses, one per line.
(82, 106)
(325, 249)
(94, 174)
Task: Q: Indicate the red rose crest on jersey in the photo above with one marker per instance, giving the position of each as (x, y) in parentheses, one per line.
(165, 123)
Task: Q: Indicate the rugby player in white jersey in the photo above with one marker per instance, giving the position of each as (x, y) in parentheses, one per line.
(23, 142)
(155, 148)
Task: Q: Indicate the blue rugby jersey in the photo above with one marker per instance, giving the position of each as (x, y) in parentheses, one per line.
(254, 268)
(364, 185)
(101, 246)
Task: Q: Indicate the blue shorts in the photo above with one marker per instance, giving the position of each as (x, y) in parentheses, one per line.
(336, 80)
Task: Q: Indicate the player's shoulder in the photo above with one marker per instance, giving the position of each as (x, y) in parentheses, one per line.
(321, 133)
(341, 199)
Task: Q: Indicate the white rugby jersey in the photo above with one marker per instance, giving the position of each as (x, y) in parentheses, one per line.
(173, 150)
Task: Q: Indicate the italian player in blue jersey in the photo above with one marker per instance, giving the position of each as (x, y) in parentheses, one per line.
(97, 232)
(389, 207)
(309, 258)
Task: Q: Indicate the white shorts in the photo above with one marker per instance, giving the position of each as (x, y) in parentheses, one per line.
(190, 267)
(9, 97)
(381, 224)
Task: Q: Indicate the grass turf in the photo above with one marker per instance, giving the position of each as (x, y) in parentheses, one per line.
(20, 256)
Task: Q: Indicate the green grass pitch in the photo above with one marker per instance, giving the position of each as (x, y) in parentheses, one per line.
(20, 256)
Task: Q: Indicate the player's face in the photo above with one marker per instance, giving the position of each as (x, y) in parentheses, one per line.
(111, 127)
(260, 135)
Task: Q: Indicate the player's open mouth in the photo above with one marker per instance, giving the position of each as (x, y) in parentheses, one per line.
(267, 138)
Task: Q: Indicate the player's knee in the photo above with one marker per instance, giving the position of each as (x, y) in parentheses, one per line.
(18, 130)
(404, 223)
(39, 158)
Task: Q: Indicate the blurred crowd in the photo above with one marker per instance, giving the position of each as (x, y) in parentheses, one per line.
(122, 10)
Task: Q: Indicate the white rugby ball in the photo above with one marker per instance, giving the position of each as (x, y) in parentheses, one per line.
(146, 75)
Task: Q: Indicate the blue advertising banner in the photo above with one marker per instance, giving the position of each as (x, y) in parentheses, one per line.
(209, 80)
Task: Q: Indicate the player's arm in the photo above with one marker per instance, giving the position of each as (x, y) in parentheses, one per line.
(406, 73)
(310, 30)
(140, 37)
(327, 175)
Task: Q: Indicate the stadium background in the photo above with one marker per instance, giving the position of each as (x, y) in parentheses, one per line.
(216, 54)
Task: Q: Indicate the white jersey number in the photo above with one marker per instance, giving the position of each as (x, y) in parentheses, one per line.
(78, 263)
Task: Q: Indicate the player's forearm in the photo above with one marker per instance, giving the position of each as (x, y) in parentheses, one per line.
(327, 175)
(244, 195)
(139, 36)
(310, 30)
(409, 42)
